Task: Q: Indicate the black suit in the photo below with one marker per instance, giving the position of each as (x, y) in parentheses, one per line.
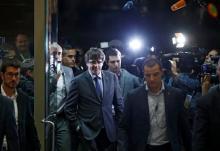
(207, 122)
(28, 138)
(135, 124)
(7, 124)
(26, 128)
(93, 113)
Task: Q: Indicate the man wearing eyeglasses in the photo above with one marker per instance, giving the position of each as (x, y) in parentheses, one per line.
(89, 104)
(10, 74)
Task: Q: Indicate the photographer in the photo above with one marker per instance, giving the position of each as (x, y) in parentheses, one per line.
(206, 132)
(208, 69)
(184, 78)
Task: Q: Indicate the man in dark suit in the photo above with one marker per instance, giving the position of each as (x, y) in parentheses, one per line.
(127, 81)
(89, 103)
(206, 131)
(10, 74)
(8, 126)
(154, 118)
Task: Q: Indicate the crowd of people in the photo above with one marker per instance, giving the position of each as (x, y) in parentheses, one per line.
(165, 109)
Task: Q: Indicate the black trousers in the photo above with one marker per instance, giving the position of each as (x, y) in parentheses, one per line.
(100, 143)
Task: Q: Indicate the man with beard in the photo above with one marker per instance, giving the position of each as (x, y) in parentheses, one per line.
(10, 74)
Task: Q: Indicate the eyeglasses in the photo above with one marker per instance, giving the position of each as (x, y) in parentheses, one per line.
(11, 75)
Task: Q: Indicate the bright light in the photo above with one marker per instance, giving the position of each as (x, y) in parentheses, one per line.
(152, 49)
(179, 40)
(136, 44)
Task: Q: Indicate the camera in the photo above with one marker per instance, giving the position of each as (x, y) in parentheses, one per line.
(210, 69)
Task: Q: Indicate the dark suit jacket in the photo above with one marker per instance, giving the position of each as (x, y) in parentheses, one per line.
(26, 127)
(68, 77)
(88, 110)
(206, 132)
(135, 124)
(7, 124)
(28, 138)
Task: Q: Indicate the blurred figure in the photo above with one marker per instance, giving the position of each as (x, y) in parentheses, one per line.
(127, 81)
(27, 77)
(22, 47)
(206, 131)
(154, 117)
(8, 126)
(210, 63)
(10, 74)
(89, 104)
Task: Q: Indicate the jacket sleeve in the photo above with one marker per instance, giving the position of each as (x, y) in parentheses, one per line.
(201, 125)
(184, 126)
(124, 126)
(70, 108)
(32, 136)
(118, 100)
(11, 128)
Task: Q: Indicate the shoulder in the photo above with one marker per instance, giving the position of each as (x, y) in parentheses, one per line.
(6, 103)
(24, 96)
(108, 74)
(139, 91)
(4, 100)
(65, 68)
(212, 96)
(126, 73)
(173, 90)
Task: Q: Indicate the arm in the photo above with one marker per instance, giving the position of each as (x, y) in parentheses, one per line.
(184, 125)
(123, 126)
(70, 108)
(32, 136)
(118, 100)
(11, 128)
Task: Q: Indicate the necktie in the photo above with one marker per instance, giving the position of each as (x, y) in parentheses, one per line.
(98, 87)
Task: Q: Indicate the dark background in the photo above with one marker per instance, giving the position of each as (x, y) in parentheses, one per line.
(85, 23)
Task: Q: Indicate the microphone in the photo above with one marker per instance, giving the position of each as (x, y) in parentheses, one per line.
(178, 5)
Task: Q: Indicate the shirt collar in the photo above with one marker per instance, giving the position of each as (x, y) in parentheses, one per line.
(159, 92)
(13, 97)
(93, 76)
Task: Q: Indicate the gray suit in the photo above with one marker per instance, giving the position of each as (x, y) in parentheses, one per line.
(128, 82)
(63, 135)
(85, 109)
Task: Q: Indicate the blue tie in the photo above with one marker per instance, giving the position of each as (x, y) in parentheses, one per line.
(98, 87)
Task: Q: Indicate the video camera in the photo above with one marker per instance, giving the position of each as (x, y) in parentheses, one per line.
(210, 69)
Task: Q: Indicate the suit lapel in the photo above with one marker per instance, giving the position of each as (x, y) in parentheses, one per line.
(20, 107)
(145, 104)
(122, 81)
(105, 81)
(168, 111)
(91, 84)
(67, 76)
